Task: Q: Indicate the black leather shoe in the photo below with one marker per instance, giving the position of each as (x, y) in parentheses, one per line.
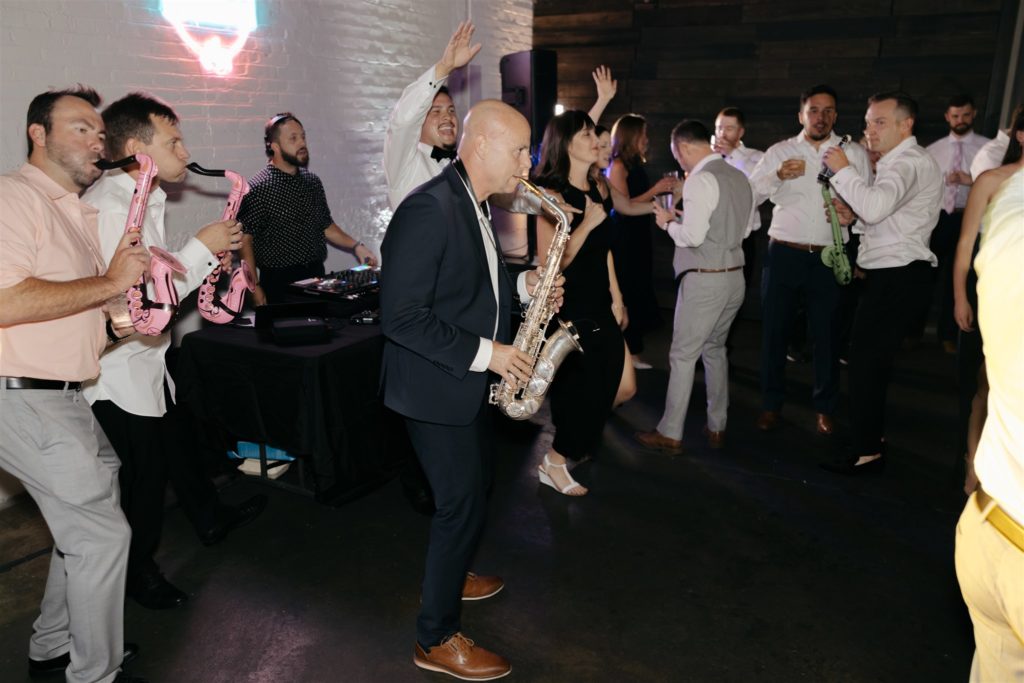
(125, 678)
(153, 591)
(41, 668)
(234, 517)
(849, 466)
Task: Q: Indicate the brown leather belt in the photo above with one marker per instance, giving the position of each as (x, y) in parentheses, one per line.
(1011, 529)
(32, 383)
(812, 248)
(711, 270)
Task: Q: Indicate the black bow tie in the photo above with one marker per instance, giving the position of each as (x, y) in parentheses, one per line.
(439, 153)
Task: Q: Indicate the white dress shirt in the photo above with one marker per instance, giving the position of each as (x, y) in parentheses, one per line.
(899, 210)
(799, 214)
(700, 199)
(990, 155)
(486, 348)
(407, 161)
(132, 373)
(999, 460)
(742, 158)
(943, 151)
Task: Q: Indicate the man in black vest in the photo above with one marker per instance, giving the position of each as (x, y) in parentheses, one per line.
(445, 305)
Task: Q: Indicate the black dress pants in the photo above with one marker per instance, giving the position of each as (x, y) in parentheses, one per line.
(943, 244)
(457, 462)
(888, 298)
(789, 274)
(153, 451)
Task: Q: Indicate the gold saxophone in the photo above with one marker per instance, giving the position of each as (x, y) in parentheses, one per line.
(521, 400)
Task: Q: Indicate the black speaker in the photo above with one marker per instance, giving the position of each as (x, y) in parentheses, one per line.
(529, 82)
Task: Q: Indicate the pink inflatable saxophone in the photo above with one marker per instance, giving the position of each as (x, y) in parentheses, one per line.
(211, 306)
(148, 317)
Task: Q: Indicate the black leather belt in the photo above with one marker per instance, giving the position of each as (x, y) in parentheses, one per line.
(33, 383)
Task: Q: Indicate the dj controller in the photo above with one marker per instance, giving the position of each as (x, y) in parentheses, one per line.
(347, 291)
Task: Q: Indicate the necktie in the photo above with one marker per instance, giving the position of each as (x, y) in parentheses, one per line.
(439, 153)
(949, 198)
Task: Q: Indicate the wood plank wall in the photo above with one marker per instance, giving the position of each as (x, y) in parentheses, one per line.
(688, 58)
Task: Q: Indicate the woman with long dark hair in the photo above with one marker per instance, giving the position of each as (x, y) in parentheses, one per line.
(633, 246)
(970, 361)
(588, 384)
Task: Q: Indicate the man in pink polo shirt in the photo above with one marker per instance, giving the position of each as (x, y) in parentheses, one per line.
(53, 285)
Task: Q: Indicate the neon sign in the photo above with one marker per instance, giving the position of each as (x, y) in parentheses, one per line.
(234, 19)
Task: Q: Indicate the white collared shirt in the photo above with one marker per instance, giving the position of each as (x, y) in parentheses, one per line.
(743, 158)
(700, 199)
(407, 161)
(899, 210)
(999, 460)
(990, 155)
(132, 373)
(942, 150)
(799, 214)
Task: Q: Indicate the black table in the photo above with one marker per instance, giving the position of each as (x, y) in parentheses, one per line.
(319, 401)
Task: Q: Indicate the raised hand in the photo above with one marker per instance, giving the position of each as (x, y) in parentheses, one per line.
(458, 52)
(606, 86)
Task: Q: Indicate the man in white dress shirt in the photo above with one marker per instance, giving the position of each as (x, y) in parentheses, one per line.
(990, 535)
(895, 216)
(730, 127)
(793, 269)
(954, 155)
(718, 207)
(128, 397)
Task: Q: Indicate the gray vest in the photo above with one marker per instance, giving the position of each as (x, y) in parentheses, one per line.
(721, 247)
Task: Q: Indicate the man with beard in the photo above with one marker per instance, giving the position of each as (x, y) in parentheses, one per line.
(793, 269)
(954, 155)
(53, 282)
(285, 216)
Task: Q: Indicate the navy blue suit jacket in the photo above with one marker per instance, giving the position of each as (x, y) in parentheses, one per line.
(436, 302)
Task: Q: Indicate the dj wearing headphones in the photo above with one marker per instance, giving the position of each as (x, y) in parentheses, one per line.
(286, 219)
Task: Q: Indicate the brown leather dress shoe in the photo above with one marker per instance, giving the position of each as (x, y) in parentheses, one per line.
(458, 656)
(824, 424)
(768, 420)
(657, 441)
(716, 440)
(479, 587)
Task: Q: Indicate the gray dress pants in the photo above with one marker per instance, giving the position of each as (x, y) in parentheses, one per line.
(706, 306)
(53, 445)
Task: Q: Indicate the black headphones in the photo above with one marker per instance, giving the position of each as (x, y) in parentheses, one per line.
(271, 125)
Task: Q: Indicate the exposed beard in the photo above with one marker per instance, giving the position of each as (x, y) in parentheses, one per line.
(78, 165)
(295, 160)
(961, 129)
(819, 137)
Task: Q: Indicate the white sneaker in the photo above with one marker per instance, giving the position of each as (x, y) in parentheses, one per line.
(640, 365)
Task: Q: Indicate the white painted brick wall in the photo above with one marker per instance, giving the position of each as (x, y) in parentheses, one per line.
(339, 65)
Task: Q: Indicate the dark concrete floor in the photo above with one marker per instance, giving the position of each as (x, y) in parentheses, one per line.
(749, 564)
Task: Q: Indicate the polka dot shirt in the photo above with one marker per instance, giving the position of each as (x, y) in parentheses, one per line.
(286, 216)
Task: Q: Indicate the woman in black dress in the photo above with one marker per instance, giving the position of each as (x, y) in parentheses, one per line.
(588, 384)
(633, 246)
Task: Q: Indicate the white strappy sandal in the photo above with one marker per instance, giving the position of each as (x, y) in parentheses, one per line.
(546, 479)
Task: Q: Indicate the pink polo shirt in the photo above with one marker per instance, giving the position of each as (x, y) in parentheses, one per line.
(47, 233)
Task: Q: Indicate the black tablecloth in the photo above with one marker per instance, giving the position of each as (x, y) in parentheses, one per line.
(319, 400)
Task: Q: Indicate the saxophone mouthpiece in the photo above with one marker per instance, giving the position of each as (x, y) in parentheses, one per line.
(199, 170)
(108, 165)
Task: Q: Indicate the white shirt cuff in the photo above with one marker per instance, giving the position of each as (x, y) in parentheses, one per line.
(524, 294)
(483, 356)
(195, 256)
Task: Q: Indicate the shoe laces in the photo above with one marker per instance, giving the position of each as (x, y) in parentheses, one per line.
(459, 644)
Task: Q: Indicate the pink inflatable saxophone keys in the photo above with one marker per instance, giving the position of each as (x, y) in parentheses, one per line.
(211, 306)
(149, 317)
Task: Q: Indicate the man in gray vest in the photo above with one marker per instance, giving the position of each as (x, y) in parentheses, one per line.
(718, 209)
